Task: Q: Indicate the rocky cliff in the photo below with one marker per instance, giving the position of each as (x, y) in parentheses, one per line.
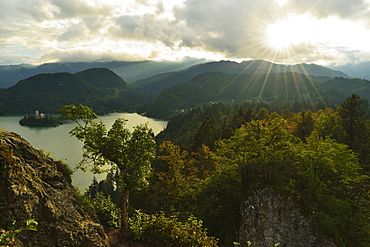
(270, 219)
(34, 186)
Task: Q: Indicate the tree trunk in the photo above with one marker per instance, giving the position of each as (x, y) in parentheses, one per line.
(124, 213)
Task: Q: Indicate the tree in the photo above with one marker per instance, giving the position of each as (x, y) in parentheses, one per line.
(328, 124)
(242, 117)
(354, 120)
(353, 116)
(127, 153)
(206, 134)
(321, 176)
(305, 124)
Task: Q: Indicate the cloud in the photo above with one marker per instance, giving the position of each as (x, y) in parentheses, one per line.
(345, 9)
(74, 31)
(232, 27)
(147, 28)
(154, 28)
(35, 10)
(83, 55)
(79, 8)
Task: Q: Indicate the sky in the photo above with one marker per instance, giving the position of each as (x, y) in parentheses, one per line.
(325, 32)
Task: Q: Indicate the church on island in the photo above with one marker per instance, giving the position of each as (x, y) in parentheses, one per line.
(39, 120)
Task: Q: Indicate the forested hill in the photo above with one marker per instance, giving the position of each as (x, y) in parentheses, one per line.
(131, 71)
(213, 87)
(98, 88)
(154, 85)
(348, 86)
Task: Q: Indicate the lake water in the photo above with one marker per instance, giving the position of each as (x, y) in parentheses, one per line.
(58, 142)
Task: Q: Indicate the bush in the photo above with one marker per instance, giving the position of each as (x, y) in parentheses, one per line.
(7, 236)
(161, 230)
(108, 213)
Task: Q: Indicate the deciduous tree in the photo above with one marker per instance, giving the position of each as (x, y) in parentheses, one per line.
(128, 153)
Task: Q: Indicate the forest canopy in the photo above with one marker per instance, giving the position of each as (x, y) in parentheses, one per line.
(210, 160)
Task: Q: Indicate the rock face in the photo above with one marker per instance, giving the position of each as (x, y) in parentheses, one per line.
(269, 219)
(33, 186)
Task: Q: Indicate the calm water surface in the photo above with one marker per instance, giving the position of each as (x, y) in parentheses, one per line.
(58, 142)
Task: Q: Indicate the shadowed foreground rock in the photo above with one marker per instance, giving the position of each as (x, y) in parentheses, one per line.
(33, 186)
(269, 219)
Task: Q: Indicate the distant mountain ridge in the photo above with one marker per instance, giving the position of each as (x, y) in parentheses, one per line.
(355, 70)
(165, 94)
(214, 87)
(131, 71)
(154, 85)
(98, 88)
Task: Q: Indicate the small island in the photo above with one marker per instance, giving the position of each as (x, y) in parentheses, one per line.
(39, 120)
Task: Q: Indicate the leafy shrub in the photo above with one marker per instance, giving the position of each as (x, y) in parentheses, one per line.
(7, 236)
(108, 213)
(161, 230)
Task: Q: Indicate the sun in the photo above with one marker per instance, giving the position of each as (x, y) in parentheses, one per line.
(278, 37)
(295, 30)
(283, 34)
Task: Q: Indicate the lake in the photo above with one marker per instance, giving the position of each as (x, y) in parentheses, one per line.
(58, 142)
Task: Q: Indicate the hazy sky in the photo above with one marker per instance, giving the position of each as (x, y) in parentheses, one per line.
(327, 32)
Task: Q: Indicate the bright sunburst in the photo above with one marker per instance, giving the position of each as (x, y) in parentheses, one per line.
(283, 34)
(281, 2)
(279, 37)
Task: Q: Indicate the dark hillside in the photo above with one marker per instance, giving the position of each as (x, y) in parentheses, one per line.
(102, 78)
(154, 85)
(216, 87)
(345, 86)
(101, 89)
(131, 71)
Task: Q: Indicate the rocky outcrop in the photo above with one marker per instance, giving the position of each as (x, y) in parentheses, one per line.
(34, 186)
(269, 219)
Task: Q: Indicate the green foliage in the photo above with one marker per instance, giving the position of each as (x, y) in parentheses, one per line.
(107, 186)
(353, 116)
(328, 124)
(108, 213)
(7, 236)
(354, 119)
(305, 124)
(128, 154)
(207, 133)
(302, 155)
(319, 175)
(160, 230)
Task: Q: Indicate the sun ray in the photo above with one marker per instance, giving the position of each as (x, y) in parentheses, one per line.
(264, 82)
(305, 73)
